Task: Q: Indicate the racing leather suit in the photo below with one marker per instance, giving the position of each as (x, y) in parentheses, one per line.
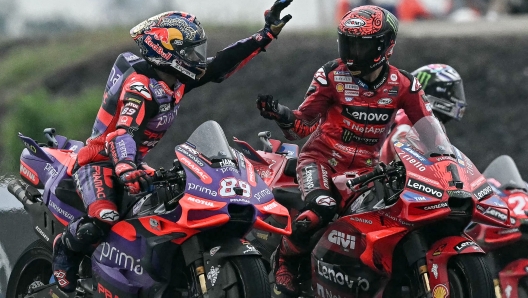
(348, 121)
(138, 108)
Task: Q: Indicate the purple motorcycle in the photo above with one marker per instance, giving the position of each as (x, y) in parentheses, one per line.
(185, 239)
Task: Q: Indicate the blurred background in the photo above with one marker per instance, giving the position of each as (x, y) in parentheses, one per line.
(55, 57)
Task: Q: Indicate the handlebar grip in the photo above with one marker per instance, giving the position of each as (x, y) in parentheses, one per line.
(358, 180)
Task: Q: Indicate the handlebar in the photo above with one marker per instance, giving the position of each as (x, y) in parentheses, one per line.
(380, 170)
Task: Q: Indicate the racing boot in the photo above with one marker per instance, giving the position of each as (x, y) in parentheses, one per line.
(288, 255)
(65, 264)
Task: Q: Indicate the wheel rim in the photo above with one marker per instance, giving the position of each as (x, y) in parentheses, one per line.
(37, 273)
(456, 283)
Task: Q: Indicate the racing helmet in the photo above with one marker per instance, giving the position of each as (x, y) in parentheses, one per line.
(173, 42)
(366, 38)
(444, 89)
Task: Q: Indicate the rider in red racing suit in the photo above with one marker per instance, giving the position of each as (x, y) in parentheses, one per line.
(140, 102)
(445, 92)
(348, 111)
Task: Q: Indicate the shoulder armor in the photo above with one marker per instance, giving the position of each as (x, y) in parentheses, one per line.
(329, 66)
(415, 85)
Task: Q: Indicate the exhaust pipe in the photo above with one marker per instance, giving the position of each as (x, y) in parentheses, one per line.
(26, 194)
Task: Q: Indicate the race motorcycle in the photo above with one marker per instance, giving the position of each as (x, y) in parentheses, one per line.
(185, 239)
(403, 233)
(507, 256)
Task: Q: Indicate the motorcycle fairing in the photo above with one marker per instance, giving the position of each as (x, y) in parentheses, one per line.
(510, 276)
(438, 257)
(249, 152)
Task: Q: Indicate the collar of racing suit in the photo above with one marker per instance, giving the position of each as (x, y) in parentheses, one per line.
(378, 82)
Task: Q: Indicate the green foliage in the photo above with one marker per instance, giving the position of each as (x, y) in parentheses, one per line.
(33, 112)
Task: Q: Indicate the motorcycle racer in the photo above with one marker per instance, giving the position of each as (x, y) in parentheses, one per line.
(347, 112)
(444, 90)
(140, 102)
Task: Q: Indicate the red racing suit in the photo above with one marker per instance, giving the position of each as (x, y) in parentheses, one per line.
(348, 121)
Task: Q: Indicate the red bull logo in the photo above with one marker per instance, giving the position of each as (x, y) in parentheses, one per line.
(166, 35)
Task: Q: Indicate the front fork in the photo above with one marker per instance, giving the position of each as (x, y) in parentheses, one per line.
(415, 250)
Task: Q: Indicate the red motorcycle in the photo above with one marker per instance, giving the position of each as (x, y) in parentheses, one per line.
(402, 235)
(507, 257)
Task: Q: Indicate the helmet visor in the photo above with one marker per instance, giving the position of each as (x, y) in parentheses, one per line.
(195, 53)
(360, 50)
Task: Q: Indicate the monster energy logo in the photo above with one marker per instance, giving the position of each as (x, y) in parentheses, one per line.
(393, 21)
(349, 136)
(423, 77)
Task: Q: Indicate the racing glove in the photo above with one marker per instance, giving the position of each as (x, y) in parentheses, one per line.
(273, 23)
(135, 180)
(271, 109)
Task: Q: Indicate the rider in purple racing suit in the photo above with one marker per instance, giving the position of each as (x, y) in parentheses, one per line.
(140, 102)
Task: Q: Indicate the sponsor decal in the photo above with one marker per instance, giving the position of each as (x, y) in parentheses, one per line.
(325, 201)
(465, 244)
(60, 276)
(227, 163)
(194, 168)
(361, 220)
(434, 270)
(351, 86)
(60, 210)
(193, 157)
(412, 197)
(120, 258)
(344, 240)
(424, 188)
(132, 105)
(395, 219)
(383, 79)
(349, 136)
(351, 93)
(497, 214)
(310, 177)
(368, 93)
(212, 275)
(508, 231)
(28, 173)
(340, 87)
(261, 194)
(393, 77)
(98, 182)
(443, 106)
(409, 158)
(202, 189)
(332, 162)
(437, 206)
(384, 101)
(355, 23)
(420, 177)
(483, 191)
(349, 99)
(251, 177)
(270, 206)
(166, 119)
(341, 72)
(200, 201)
(324, 173)
(367, 129)
(264, 173)
(131, 57)
(366, 115)
(334, 275)
(393, 91)
(141, 89)
(440, 291)
(37, 228)
(320, 77)
(109, 215)
(164, 107)
(250, 248)
(438, 251)
(343, 79)
(417, 155)
(238, 200)
(459, 193)
(480, 180)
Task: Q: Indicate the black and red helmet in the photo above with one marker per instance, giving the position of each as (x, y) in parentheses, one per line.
(367, 35)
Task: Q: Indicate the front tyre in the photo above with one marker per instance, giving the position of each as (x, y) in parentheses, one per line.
(32, 269)
(252, 278)
(469, 277)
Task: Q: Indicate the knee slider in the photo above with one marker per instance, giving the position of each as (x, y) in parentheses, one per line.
(91, 231)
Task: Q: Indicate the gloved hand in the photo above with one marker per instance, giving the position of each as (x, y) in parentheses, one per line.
(269, 108)
(274, 23)
(272, 17)
(149, 170)
(135, 180)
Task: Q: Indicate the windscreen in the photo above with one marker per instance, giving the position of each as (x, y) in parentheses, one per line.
(428, 136)
(209, 139)
(504, 170)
